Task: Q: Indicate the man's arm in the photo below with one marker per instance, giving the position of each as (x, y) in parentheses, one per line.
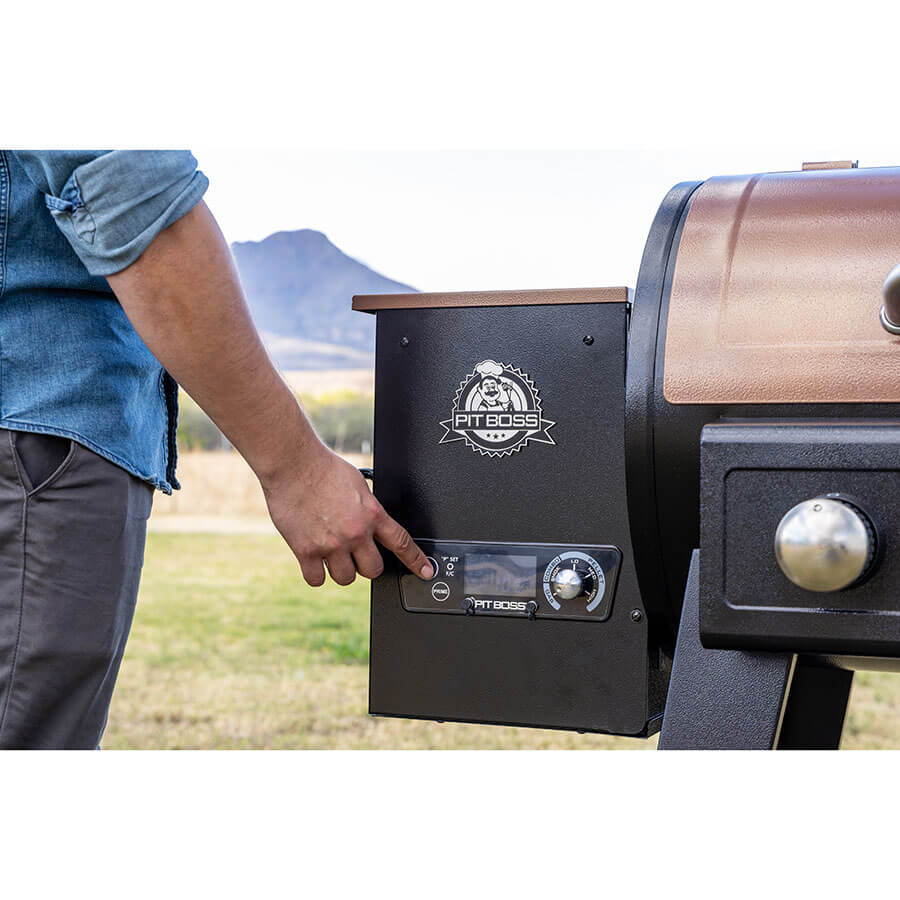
(184, 299)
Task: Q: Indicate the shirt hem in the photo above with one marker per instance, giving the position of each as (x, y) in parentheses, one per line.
(157, 482)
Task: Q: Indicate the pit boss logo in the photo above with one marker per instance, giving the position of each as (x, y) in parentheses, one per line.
(496, 411)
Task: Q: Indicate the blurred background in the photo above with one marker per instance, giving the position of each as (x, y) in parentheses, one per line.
(229, 648)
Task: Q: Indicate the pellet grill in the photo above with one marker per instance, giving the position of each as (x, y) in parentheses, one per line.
(681, 500)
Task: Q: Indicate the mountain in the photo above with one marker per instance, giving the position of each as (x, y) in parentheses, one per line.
(299, 287)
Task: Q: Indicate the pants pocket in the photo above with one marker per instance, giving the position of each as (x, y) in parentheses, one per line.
(41, 457)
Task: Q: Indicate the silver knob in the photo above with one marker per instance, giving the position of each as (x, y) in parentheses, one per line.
(823, 544)
(567, 584)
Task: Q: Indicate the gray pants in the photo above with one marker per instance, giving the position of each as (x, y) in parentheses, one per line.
(72, 530)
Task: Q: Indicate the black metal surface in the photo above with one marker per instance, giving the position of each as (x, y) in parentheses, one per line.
(677, 446)
(746, 700)
(721, 699)
(753, 473)
(816, 707)
(578, 675)
(654, 281)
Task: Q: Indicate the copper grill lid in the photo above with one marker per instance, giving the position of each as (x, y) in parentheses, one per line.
(777, 290)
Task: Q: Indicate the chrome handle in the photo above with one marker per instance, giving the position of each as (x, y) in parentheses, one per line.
(890, 310)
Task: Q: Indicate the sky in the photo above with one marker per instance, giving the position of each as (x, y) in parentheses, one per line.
(479, 220)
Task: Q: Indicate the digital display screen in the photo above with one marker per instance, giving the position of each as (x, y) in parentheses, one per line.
(500, 576)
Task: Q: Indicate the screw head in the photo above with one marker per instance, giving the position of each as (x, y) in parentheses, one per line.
(404, 341)
(588, 339)
(636, 615)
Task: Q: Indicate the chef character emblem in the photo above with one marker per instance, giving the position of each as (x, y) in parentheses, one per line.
(496, 411)
(494, 392)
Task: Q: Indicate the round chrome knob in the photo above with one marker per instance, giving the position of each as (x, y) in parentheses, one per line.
(824, 545)
(566, 584)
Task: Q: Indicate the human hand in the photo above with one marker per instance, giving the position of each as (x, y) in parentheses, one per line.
(325, 511)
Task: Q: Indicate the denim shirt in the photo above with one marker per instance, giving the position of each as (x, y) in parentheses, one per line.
(71, 364)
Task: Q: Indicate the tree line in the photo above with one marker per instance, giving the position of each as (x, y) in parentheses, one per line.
(344, 420)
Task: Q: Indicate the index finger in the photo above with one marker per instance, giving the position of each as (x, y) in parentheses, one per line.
(395, 537)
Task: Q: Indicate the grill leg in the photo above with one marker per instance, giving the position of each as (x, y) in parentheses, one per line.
(816, 707)
(739, 700)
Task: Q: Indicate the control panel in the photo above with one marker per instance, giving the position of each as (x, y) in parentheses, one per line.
(536, 581)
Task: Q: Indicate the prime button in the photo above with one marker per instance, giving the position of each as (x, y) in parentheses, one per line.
(440, 591)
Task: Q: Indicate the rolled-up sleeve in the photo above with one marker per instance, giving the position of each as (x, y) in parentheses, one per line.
(110, 204)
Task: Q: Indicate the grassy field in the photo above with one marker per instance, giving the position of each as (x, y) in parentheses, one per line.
(229, 649)
(219, 485)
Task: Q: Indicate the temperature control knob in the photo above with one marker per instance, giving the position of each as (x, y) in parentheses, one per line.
(573, 579)
(566, 584)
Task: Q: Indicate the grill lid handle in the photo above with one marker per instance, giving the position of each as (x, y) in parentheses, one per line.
(890, 311)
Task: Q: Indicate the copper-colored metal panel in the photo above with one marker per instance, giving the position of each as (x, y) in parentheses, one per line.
(374, 302)
(777, 290)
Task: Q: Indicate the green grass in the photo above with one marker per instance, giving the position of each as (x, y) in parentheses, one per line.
(235, 601)
(230, 649)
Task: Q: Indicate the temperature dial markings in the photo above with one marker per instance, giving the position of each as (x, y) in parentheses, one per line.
(574, 577)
